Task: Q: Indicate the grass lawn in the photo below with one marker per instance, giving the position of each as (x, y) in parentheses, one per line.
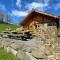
(6, 56)
(4, 26)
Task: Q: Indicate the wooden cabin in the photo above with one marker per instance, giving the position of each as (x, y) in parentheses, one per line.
(33, 20)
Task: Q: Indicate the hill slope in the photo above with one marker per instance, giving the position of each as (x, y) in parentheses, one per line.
(4, 26)
(6, 56)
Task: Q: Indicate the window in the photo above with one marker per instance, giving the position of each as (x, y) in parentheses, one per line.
(26, 27)
(37, 26)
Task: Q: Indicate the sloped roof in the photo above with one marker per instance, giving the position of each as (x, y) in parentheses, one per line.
(39, 12)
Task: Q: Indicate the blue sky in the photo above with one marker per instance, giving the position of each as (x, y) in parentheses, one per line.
(18, 9)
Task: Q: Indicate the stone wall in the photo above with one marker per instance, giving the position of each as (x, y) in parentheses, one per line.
(46, 44)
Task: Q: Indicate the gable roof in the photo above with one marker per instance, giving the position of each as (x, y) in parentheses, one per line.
(36, 11)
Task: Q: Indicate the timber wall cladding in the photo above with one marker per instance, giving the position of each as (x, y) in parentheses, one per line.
(31, 26)
(38, 19)
(45, 19)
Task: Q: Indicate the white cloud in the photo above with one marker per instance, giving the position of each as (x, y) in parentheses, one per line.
(46, 1)
(19, 13)
(37, 5)
(29, 6)
(18, 3)
(57, 6)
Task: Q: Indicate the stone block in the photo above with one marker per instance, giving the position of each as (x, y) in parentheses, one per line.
(28, 56)
(38, 52)
(20, 55)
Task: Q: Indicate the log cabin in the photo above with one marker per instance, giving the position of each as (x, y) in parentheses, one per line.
(33, 20)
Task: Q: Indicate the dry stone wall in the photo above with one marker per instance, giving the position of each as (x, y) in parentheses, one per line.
(46, 44)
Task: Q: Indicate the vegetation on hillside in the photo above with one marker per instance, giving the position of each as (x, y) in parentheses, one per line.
(6, 56)
(4, 26)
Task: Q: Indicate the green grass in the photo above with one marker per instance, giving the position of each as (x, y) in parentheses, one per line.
(4, 26)
(6, 56)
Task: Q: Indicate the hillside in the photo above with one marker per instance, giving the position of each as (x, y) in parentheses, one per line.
(6, 56)
(4, 26)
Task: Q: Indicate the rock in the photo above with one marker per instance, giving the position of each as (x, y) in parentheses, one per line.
(13, 51)
(15, 46)
(38, 51)
(28, 56)
(20, 54)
